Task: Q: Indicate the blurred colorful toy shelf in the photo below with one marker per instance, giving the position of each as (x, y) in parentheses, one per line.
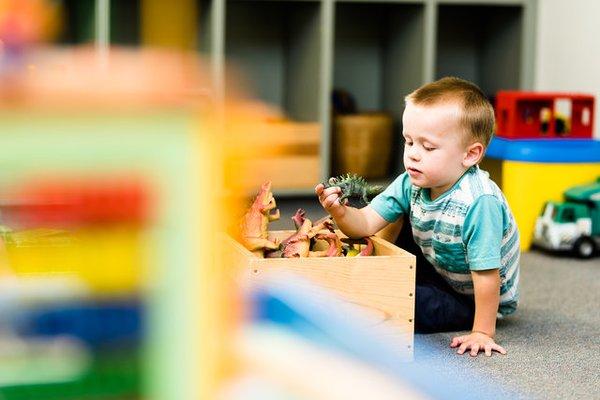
(531, 168)
(106, 239)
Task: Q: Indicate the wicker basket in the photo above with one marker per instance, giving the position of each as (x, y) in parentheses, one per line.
(363, 144)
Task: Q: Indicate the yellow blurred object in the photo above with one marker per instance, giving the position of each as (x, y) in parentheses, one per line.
(528, 185)
(169, 24)
(108, 260)
(353, 252)
(286, 153)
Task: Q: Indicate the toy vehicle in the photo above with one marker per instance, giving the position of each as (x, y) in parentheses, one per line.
(536, 115)
(572, 225)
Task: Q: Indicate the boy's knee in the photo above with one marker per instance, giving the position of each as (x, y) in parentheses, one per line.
(438, 311)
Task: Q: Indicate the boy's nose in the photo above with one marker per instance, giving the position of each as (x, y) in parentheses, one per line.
(413, 153)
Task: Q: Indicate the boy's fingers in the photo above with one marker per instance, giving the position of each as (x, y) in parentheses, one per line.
(462, 348)
(456, 341)
(488, 350)
(474, 350)
(329, 200)
(331, 190)
(499, 349)
(319, 189)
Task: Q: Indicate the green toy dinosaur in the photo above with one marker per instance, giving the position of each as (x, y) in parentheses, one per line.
(354, 188)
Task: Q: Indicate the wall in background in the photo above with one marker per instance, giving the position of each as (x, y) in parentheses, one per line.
(568, 51)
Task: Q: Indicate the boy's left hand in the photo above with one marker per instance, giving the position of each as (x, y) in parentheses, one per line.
(476, 341)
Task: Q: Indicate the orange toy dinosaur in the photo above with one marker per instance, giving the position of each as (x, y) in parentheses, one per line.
(254, 232)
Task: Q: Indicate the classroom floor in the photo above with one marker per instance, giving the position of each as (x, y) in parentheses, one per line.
(553, 340)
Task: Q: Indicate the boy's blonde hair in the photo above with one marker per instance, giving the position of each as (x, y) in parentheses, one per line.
(478, 114)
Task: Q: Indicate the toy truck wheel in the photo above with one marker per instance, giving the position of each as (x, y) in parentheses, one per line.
(584, 247)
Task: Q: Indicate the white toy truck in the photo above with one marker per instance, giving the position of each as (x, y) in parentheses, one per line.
(572, 225)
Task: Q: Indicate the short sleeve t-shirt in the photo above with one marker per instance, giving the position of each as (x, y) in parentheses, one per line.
(468, 228)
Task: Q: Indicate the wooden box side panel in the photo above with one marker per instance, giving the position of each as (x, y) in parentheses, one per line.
(236, 257)
(382, 286)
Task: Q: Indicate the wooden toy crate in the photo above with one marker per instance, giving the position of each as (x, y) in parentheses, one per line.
(383, 285)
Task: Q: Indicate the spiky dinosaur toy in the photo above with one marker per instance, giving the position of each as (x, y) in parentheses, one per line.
(354, 188)
(254, 234)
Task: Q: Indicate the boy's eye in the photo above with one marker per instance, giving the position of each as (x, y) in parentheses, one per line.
(428, 148)
(407, 143)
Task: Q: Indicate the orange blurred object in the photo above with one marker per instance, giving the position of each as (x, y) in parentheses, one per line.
(24, 22)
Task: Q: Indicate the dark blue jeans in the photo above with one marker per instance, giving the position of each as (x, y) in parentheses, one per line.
(438, 307)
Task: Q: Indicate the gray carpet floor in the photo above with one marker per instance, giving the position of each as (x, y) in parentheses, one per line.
(553, 340)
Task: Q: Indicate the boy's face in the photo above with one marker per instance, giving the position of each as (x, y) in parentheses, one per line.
(435, 153)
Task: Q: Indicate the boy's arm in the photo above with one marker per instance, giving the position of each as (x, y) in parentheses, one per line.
(354, 222)
(392, 231)
(486, 285)
(482, 235)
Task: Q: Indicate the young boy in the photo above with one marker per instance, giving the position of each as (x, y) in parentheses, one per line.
(460, 218)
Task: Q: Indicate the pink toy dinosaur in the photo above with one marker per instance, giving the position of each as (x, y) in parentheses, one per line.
(254, 232)
(335, 245)
(298, 245)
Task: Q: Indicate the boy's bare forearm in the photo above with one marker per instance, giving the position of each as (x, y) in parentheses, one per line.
(353, 223)
(487, 298)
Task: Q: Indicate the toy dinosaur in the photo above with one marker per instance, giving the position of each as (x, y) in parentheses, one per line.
(335, 245)
(298, 245)
(354, 188)
(367, 251)
(254, 234)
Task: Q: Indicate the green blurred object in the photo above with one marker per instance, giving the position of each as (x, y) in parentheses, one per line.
(115, 374)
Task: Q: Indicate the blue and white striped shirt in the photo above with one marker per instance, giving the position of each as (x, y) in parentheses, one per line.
(468, 228)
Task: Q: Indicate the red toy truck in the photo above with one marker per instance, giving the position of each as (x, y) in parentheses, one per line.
(535, 115)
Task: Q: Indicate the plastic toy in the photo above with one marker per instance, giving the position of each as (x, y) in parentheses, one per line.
(365, 247)
(299, 243)
(254, 231)
(534, 115)
(354, 188)
(572, 225)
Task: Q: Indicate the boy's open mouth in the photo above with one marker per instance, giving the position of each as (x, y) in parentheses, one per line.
(411, 170)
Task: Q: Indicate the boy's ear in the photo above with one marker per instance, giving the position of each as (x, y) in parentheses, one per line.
(473, 155)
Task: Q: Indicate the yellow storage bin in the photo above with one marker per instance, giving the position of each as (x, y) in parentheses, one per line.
(527, 186)
(532, 172)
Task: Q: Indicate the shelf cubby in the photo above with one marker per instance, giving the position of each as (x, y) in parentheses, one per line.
(481, 43)
(379, 57)
(276, 44)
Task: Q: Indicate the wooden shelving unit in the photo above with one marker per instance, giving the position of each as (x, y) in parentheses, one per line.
(293, 53)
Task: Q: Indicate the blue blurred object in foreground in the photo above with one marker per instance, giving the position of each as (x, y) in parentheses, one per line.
(331, 325)
(98, 324)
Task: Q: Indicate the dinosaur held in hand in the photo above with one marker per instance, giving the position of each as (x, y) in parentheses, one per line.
(354, 188)
(254, 234)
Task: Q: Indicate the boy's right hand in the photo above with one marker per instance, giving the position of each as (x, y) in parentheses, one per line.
(330, 200)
